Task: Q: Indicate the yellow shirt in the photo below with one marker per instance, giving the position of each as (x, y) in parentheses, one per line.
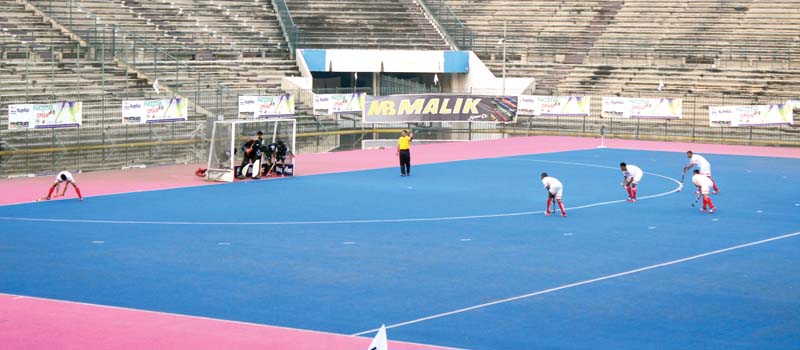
(404, 142)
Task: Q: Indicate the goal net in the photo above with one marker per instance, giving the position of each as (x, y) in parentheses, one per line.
(232, 145)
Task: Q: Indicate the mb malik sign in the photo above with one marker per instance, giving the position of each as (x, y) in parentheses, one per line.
(440, 108)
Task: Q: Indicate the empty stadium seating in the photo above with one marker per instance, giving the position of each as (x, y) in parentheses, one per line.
(200, 29)
(42, 64)
(739, 47)
(380, 24)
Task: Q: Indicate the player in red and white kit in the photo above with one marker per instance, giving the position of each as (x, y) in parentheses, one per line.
(704, 185)
(554, 191)
(703, 164)
(631, 175)
(66, 178)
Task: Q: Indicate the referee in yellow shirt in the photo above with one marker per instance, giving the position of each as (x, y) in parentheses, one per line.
(404, 152)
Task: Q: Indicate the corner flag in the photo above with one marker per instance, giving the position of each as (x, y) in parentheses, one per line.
(380, 342)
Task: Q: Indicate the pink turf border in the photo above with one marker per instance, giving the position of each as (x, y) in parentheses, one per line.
(35, 323)
(25, 190)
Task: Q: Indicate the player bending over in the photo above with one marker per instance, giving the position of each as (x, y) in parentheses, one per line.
(703, 164)
(554, 191)
(704, 184)
(281, 152)
(66, 178)
(631, 175)
(251, 157)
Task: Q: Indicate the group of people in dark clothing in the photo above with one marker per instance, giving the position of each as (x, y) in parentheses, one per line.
(263, 159)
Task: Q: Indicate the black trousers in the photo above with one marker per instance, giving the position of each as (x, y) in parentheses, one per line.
(405, 162)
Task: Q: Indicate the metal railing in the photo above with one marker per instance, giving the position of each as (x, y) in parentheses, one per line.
(391, 85)
(462, 36)
(293, 34)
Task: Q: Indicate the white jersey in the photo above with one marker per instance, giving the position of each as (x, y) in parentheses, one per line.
(553, 185)
(68, 176)
(703, 182)
(633, 172)
(702, 163)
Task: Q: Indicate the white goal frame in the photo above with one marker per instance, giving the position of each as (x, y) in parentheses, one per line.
(214, 172)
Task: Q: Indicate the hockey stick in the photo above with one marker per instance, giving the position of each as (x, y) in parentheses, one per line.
(696, 199)
(270, 169)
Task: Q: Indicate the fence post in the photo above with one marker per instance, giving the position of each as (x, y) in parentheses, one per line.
(583, 131)
(694, 121)
(177, 81)
(114, 41)
(155, 62)
(558, 125)
(196, 94)
(219, 96)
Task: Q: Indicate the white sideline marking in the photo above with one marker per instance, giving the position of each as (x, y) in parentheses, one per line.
(98, 242)
(349, 243)
(589, 281)
(651, 228)
(466, 239)
(568, 234)
(365, 221)
(223, 243)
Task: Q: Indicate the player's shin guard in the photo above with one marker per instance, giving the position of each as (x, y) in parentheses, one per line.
(561, 206)
(633, 191)
(50, 193)
(78, 191)
(549, 201)
(630, 192)
(256, 168)
(707, 201)
(713, 184)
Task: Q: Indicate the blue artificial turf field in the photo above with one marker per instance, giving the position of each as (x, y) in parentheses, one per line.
(347, 252)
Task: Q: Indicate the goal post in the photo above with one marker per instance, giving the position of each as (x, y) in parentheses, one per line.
(228, 137)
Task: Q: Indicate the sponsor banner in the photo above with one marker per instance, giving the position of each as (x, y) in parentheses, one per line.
(260, 107)
(440, 108)
(154, 111)
(554, 105)
(756, 115)
(45, 116)
(650, 108)
(327, 104)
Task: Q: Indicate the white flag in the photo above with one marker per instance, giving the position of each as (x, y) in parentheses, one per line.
(380, 342)
(436, 79)
(155, 87)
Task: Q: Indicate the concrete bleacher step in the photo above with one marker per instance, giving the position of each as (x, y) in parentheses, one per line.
(387, 24)
(737, 36)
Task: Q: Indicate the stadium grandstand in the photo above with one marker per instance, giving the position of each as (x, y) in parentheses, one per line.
(176, 85)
